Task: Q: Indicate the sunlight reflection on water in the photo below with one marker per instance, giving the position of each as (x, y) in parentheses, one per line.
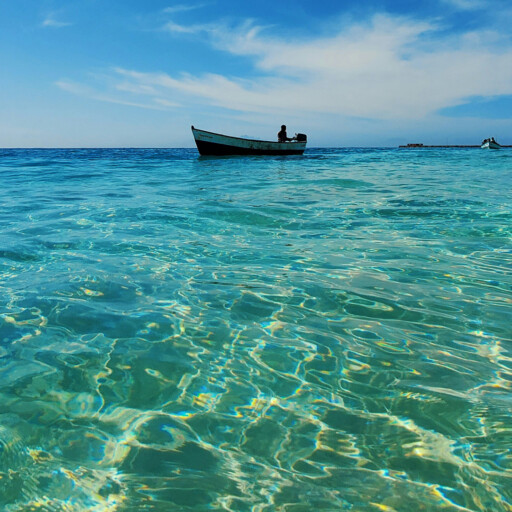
(255, 334)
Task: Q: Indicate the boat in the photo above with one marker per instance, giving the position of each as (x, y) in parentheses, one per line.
(209, 143)
(490, 144)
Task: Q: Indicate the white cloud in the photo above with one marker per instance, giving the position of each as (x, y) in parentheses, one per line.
(151, 103)
(182, 8)
(171, 26)
(50, 21)
(388, 68)
(78, 89)
(180, 29)
(166, 103)
(467, 4)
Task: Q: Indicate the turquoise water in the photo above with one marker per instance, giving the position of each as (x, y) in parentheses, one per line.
(327, 332)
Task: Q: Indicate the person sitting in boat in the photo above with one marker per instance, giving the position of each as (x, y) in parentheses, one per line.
(282, 136)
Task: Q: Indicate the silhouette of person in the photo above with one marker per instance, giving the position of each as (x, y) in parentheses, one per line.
(282, 136)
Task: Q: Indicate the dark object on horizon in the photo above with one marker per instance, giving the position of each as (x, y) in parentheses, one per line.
(209, 143)
(490, 144)
(424, 146)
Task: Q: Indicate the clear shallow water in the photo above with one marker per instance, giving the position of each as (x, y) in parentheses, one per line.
(326, 332)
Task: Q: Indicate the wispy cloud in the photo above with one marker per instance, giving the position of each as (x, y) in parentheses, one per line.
(182, 8)
(171, 26)
(51, 21)
(385, 68)
(467, 4)
(151, 103)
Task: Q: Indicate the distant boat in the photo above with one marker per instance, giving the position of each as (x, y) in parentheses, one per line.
(490, 144)
(209, 143)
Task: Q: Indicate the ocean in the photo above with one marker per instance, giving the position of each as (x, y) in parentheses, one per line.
(323, 332)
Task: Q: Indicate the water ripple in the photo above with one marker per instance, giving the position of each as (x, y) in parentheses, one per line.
(249, 334)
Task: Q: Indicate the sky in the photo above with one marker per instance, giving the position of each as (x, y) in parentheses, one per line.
(134, 73)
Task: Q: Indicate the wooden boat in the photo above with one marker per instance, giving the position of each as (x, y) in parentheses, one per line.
(490, 144)
(209, 143)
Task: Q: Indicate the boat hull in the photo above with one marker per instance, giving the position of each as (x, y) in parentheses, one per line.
(490, 145)
(215, 144)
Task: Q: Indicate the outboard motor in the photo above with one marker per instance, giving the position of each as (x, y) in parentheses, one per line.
(301, 137)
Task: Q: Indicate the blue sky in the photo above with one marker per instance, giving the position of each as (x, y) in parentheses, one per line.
(104, 73)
